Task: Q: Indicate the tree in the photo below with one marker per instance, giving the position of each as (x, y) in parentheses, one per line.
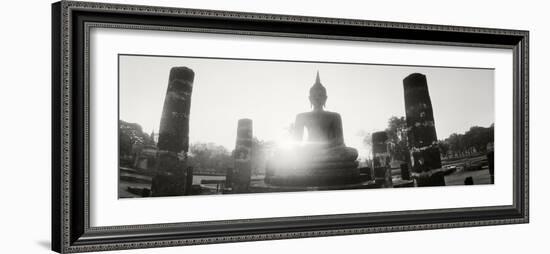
(476, 138)
(455, 144)
(209, 157)
(479, 137)
(130, 136)
(443, 148)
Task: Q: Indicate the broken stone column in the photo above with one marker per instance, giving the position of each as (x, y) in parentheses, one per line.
(381, 159)
(173, 141)
(188, 181)
(405, 174)
(491, 161)
(422, 138)
(243, 157)
(229, 178)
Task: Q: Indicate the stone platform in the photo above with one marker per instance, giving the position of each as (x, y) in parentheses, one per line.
(262, 187)
(315, 177)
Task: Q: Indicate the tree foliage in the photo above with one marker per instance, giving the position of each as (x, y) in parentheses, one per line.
(213, 158)
(475, 139)
(131, 135)
(209, 157)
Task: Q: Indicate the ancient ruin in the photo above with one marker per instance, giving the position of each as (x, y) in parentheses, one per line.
(173, 142)
(313, 157)
(243, 157)
(321, 159)
(421, 134)
(381, 159)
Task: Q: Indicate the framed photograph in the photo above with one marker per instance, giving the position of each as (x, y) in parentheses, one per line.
(182, 126)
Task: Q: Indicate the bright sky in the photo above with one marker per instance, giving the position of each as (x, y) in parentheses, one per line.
(271, 93)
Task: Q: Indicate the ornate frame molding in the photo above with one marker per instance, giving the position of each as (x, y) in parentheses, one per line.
(71, 22)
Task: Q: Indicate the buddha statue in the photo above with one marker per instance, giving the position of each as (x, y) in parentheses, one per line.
(321, 157)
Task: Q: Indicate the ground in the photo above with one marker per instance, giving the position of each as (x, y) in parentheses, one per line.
(475, 167)
(479, 176)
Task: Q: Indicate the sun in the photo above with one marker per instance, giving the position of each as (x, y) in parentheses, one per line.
(286, 144)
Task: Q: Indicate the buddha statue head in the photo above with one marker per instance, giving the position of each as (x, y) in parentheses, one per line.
(318, 94)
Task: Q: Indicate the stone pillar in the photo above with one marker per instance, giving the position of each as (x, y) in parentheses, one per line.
(243, 157)
(422, 138)
(491, 161)
(229, 178)
(188, 181)
(405, 174)
(381, 158)
(173, 141)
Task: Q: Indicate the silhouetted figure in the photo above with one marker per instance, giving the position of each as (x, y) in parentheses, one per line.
(320, 159)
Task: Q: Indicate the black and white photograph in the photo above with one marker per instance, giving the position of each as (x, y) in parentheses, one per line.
(213, 126)
(274, 127)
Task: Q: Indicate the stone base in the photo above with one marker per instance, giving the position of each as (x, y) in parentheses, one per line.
(435, 179)
(312, 178)
(430, 158)
(168, 185)
(402, 183)
(262, 187)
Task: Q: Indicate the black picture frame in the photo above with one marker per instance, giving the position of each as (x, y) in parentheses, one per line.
(71, 231)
